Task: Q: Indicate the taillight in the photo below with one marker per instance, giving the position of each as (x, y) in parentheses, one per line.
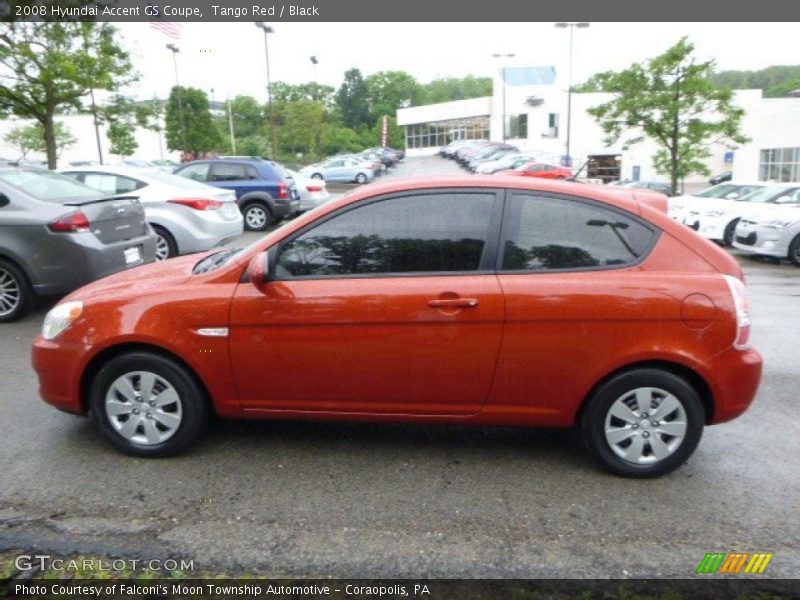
(75, 222)
(198, 203)
(283, 190)
(315, 188)
(741, 302)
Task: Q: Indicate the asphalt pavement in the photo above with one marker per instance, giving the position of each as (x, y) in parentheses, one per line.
(338, 499)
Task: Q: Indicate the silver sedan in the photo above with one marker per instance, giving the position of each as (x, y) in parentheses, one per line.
(186, 215)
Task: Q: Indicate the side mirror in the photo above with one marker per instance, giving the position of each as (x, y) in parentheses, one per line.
(4, 201)
(260, 269)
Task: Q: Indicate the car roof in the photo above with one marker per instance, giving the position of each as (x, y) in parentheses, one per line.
(126, 171)
(629, 200)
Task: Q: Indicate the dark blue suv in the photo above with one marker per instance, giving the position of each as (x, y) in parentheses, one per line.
(264, 194)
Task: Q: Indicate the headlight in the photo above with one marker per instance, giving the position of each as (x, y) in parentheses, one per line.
(713, 213)
(60, 318)
(779, 224)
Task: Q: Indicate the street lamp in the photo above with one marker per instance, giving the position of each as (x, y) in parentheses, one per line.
(267, 30)
(503, 75)
(174, 49)
(571, 26)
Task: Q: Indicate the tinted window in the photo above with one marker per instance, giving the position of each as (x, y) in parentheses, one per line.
(544, 233)
(228, 172)
(197, 172)
(416, 234)
(111, 184)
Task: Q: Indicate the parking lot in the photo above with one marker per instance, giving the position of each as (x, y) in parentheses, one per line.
(368, 500)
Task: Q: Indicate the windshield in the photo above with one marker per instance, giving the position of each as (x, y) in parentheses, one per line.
(767, 194)
(47, 186)
(724, 189)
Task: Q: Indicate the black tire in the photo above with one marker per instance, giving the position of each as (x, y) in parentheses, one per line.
(794, 251)
(730, 231)
(593, 422)
(16, 295)
(257, 216)
(194, 408)
(166, 247)
(361, 178)
(317, 176)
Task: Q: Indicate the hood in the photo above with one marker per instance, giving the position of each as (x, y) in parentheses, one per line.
(153, 276)
(772, 212)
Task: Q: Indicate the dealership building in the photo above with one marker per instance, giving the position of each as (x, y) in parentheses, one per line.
(529, 105)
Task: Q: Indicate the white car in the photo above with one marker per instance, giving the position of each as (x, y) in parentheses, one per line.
(772, 231)
(716, 219)
(313, 192)
(505, 163)
(678, 206)
(186, 215)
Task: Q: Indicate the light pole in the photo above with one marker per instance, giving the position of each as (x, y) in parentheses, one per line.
(267, 30)
(174, 49)
(571, 26)
(503, 76)
(314, 62)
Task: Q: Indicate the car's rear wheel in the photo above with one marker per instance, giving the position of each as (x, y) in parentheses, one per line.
(317, 176)
(148, 405)
(361, 178)
(643, 423)
(166, 247)
(794, 251)
(730, 231)
(257, 217)
(16, 295)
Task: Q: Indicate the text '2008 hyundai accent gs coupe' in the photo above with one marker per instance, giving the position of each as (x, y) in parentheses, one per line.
(482, 300)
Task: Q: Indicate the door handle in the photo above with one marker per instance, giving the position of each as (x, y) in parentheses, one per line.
(454, 303)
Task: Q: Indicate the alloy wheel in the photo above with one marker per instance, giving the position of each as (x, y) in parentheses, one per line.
(256, 217)
(645, 425)
(143, 408)
(10, 292)
(162, 248)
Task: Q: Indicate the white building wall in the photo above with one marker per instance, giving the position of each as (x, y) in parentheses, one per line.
(151, 145)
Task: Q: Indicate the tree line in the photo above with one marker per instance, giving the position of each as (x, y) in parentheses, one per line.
(53, 69)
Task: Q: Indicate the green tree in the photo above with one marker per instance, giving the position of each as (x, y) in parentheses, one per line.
(30, 138)
(249, 117)
(389, 90)
(352, 100)
(337, 138)
(671, 100)
(121, 114)
(447, 89)
(202, 134)
(50, 67)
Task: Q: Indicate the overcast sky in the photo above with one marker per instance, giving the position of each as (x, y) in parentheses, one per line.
(229, 57)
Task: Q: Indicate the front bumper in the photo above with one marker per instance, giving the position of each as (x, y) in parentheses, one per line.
(765, 241)
(711, 228)
(58, 367)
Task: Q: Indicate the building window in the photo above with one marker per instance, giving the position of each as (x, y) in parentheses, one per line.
(780, 164)
(552, 126)
(516, 127)
(441, 133)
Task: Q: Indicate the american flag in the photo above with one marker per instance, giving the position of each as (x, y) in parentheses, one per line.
(168, 28)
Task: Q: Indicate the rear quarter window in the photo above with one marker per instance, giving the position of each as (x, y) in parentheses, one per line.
(547, 233)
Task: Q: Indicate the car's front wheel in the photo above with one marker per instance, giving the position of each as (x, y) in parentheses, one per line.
(643, 423)
(730, 231)
(317, 176)
(794, 251)
(148, 405)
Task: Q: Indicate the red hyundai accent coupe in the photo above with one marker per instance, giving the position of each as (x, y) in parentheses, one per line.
(482, 300)
(541, 170)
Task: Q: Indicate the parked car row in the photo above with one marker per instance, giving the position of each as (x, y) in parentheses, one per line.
(758, 217)
(492, 158)
(354, 168)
